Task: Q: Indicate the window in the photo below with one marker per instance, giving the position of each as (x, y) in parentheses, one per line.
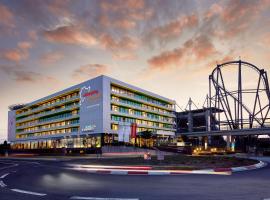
(115, 108)
(114, 127)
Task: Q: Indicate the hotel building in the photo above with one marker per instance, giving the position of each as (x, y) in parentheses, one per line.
(88, 115)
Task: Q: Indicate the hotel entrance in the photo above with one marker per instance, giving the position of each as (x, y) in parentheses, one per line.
(145, 139)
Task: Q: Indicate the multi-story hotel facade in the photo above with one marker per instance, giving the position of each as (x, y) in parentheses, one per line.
(89, 115)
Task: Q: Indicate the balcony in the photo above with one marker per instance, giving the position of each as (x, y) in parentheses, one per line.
(139, 117)
(147, 126)
(131, 97)
(50, 129)
(142, 109)
(49, 136)
(47, 106)
(49, 121)
(67, 108)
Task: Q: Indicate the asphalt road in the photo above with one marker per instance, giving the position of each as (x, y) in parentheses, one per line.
(50, 180)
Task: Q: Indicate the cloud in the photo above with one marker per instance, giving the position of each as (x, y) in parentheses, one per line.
(70, 35)
(240, 11)
(121, 23)
(166, 59)
(51, 57)
(24, 45)
(59, 8)
(172, 30)
(125, 42)
(32, 77)
(123, 14)
(90, 70)
(222, 59)
(7, 17)
(199, 48)
(21, 75)
(21, 52)
(234, 18)
(123, 48)
(7, 20)
(42, 13)
(32, 35)
(118, 5)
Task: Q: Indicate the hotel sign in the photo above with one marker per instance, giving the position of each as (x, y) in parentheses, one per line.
(91, 107)
(87, 95)
(90, 127)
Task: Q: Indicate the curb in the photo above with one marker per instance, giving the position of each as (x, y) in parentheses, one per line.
(261, 164)
(120, 170)
(149, 172)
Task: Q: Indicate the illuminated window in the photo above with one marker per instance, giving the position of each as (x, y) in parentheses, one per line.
(130, 111)
(114, 127)
(115, 108)
(74, 112)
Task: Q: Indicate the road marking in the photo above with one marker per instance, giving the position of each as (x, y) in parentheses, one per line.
(28, 192)
(3, 176)
(98, 198)
(2, 184)
(12, 165)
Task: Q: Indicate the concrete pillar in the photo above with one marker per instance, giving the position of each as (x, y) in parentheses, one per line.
(208, 125)
(228, 140)
(190, 122)
(207, 120)
(233, 143)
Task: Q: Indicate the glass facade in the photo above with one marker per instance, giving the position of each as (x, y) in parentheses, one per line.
(58, 115)
(76, 142)
(147, 112)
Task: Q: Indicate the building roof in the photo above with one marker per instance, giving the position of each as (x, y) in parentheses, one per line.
(201, 110)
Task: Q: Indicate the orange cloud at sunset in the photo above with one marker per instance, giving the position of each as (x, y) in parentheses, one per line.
(122, 48)
(90, 70)
(51, 57)
(198, 48)
(7, 17)
(70, 35)
(173, 29)
(17, 54)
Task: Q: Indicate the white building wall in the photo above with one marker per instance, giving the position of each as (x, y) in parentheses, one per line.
(11, 125)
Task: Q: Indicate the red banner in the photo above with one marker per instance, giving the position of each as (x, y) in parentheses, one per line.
(133, 130)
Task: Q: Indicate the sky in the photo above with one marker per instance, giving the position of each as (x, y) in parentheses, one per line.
(167, 47)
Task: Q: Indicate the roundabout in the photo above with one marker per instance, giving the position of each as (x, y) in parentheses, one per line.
(22, 179)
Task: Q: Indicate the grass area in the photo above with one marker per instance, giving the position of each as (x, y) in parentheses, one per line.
(177, 162)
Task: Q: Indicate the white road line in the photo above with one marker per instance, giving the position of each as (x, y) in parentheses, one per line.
(98, 198)
(28, 192)
(12, 165)
(3, 176)
(2, 184)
